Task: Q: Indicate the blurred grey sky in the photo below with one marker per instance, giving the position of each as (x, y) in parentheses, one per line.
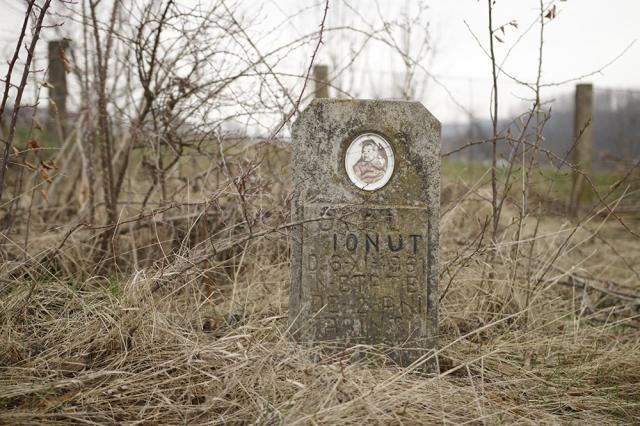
(585, 36)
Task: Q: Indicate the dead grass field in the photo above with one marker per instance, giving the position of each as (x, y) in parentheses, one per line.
(190, 327)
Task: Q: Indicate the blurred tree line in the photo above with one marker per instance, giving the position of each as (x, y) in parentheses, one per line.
(616, 124)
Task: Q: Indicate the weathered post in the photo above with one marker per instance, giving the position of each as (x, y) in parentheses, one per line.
(321, 78)
(365, 256)
(58, 90)
(581, 191)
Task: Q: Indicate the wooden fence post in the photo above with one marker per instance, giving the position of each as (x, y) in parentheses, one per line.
(321, 78)
(581, 191)
(58, 91)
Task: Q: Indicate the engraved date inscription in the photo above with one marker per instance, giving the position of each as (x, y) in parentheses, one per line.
(364, 276)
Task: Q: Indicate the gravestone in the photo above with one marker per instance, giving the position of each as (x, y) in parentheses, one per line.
(364, 250)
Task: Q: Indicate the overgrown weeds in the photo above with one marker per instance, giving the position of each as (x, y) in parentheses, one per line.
(207, 342)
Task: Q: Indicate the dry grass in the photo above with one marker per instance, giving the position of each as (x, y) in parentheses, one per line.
(196, 338)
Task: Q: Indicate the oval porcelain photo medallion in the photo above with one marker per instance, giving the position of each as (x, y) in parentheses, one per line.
(369, 161)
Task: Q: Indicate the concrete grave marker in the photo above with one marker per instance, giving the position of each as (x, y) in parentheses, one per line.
(365, 257)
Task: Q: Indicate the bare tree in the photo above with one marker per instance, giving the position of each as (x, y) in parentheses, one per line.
(40, 12)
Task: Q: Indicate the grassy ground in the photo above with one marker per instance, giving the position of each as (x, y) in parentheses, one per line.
(548, 181)
(543, 330)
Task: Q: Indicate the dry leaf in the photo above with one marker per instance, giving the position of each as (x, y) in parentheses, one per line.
(45, 83)
(16, 151)
(551, 13)
(499, 39)
(33, 144)
(54, 105)
(29, 165)
(36, 123)
(65, 62)
(45, 175)
(44, 195)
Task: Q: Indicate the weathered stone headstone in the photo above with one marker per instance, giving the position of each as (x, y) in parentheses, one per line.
(364, 258)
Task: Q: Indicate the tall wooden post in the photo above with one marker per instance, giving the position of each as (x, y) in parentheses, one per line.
(321, 78)
(58, 91)
(581, 190)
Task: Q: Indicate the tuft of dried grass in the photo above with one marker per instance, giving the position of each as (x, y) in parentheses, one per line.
(202, 342)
